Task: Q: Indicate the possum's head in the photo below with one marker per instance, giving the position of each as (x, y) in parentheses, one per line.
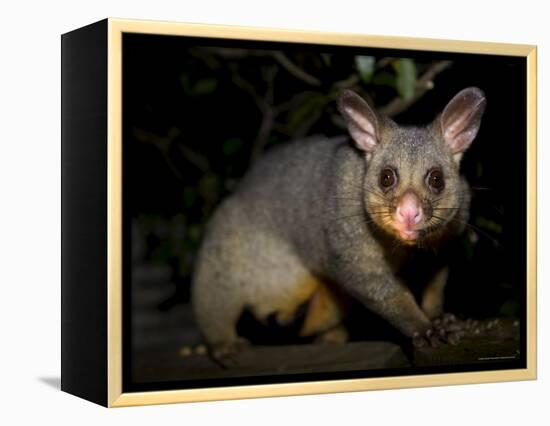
(412, 186)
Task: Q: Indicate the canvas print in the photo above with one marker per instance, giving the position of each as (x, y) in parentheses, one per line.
(300, 212)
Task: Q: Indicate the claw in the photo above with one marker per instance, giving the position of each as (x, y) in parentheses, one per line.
(453, 338)
(419, 341)
(448, 318)
(454, 327)
(225, 354)
(445, 329)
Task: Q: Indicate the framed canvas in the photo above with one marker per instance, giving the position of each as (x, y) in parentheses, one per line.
(254, 212)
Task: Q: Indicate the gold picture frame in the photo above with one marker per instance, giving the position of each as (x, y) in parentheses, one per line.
(114, 394)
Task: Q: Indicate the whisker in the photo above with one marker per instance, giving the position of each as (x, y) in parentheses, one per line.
(358, 216)
(370, 190)
(445, 208)
(447, 196)
(380, 211)
(475, 228)
(348, 198)
(443, 219)
(480, 188)
(382, 216)
(374, 192)
(350, 216)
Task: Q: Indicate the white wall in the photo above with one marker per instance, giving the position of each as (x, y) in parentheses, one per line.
(30, 199)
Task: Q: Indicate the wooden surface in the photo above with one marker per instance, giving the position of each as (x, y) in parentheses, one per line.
(269, 360)
(500, 342)
(167, 345)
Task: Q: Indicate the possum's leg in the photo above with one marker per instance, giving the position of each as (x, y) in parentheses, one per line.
(324, 316)
(217, 311)
(216, 294)
(241, 266)
(336, 335)
(375, 285)
(432, 304)
(433, 295)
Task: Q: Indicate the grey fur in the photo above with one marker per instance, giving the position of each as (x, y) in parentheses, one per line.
(308, 209)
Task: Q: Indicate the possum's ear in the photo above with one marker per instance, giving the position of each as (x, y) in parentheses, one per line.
(461, 118)
(361, 120)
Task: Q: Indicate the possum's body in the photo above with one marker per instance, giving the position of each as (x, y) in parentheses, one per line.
(319, 214)
(266, 257)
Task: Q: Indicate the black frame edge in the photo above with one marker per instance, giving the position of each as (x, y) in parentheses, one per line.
(84, 212)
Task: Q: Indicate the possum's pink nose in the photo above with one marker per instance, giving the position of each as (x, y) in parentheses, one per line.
(409, 210)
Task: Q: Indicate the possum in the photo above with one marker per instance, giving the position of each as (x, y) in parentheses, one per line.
(350, 213)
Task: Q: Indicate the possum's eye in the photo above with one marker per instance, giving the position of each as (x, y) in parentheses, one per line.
(435, 180)
(388, 178)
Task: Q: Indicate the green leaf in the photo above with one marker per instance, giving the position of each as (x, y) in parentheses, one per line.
(189, 196)
(384, 79)
(195, 233)
(488, 224)
(365, 67)
(510, 308)
(185, 82)
(205, 86)
(479, 169)
(308, 107)
(469, 245)
(231, 146)
(406, 77)
(202, 86)
(208, 186)
(327, 59)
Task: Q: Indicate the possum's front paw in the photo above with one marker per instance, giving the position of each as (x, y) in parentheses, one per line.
(225, 354)
(335, 336)
(445, 329)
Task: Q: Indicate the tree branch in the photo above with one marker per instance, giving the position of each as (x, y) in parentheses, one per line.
(424, 83)
(268, 118)
(165, 143)
(295, 70)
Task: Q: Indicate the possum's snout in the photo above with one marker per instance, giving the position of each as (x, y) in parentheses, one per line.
(408, 215)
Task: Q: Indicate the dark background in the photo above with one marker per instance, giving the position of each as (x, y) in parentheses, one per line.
(198, 112)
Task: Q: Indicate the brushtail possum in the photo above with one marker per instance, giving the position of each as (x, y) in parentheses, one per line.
(322, 213)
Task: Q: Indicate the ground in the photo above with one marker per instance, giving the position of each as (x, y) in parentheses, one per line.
(167, 347)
